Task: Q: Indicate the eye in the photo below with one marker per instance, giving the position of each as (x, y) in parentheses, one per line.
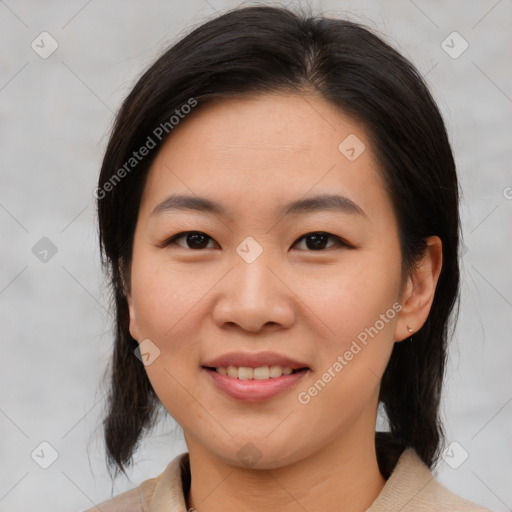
(316, 241)
(198, 240)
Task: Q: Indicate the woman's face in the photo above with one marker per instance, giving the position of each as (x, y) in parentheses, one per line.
(252, 283)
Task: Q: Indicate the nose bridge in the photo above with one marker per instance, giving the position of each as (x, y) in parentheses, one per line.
(254, 283)
(254, 295)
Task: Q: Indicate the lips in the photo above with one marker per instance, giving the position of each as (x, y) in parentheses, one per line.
(253, 390)
(254, 360)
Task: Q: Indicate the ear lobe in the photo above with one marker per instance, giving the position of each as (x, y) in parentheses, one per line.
(420, 290)
(133, 327)
(124, 270)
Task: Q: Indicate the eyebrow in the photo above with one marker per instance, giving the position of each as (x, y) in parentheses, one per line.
(320, 202)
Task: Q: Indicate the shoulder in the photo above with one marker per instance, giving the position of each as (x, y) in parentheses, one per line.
(413, 488)
(164, 492)
(134, 500)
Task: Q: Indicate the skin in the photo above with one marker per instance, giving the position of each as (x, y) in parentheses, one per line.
(252, 154)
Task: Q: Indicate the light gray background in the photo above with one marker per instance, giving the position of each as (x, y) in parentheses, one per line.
(55, 118)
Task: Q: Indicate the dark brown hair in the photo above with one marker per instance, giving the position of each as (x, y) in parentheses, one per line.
(267, 49)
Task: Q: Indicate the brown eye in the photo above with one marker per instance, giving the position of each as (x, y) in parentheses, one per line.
(193, 240)
(318, 241)
(197, 240)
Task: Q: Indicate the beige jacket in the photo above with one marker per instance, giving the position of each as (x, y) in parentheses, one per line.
(410, 488)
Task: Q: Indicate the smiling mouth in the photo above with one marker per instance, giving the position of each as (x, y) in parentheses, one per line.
(260, 373)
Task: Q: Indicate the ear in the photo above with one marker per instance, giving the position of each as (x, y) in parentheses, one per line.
(134, 330)
(419, 291)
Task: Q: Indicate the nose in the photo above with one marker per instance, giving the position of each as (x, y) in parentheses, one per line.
(254, 297)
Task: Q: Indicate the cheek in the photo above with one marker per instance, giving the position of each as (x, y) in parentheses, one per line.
(163, 296)
(163, 300)
(360, 309)
(359, 305)
(356, 296)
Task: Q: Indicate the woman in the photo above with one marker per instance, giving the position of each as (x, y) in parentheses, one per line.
(278, 213)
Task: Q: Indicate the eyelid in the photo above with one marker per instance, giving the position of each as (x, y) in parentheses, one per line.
(341, 242)
(170, 240)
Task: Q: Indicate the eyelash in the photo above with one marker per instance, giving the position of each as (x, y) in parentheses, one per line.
(339, 241)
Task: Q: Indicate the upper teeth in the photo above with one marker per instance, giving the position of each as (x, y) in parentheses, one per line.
(262, 372)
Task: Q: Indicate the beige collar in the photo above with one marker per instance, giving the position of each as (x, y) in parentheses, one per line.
(411, 487)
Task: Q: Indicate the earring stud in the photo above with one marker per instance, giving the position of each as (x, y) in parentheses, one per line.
(409, 329)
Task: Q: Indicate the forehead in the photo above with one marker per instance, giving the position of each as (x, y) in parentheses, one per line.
(267, 150)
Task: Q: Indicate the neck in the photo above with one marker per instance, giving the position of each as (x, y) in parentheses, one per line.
(343, 475)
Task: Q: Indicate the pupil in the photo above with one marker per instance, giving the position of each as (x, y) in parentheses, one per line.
(318, 241)
(197, 240)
